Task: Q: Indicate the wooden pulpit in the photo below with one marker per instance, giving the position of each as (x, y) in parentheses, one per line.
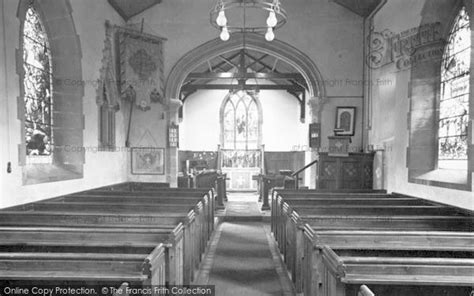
(339, 145)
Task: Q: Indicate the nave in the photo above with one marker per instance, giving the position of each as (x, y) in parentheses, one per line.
(127, 124)
(138, 236)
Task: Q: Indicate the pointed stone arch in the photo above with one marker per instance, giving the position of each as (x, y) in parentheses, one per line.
(213, 48)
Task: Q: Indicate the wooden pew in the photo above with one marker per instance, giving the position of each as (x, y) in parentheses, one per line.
(310, 275)
(308, 211)
(160, 192)
(107, 208)
(143, 209)
(206, 196)
(130, 186)
(110, 270)
(354, 201)
(201, 225)
(334, 201)
(99, 240)
(161, 196)
(109, 220)
(288, 216)
(203, 218)
(133, 201)
(319, 207)
(291, 239)
(320, 190)
(449, 274)
(323, 200)
(341, 197)
(383, 210)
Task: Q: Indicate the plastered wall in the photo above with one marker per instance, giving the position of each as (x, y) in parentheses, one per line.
(100, 168)
(390, 107)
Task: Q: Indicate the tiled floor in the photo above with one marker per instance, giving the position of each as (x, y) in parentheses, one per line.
(243, 258)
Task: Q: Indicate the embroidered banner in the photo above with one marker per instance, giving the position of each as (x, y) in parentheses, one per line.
(140, 67)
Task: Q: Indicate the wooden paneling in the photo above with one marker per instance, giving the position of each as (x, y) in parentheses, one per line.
(287, 160)
(208, 157)
(352, 172)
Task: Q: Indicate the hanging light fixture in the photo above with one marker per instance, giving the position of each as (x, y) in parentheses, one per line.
(276, 17)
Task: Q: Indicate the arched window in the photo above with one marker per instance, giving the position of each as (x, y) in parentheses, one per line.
(454, 96)
(37, 87)
(241, 121)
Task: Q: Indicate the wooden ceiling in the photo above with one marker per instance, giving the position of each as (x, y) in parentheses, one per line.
(239, 66)
(246, 69)
(129, 8)
(360, 7)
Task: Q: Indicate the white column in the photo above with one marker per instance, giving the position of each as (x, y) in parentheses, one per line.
(315, 106)
(172, 152)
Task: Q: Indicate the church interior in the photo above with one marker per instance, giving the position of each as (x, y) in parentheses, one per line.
(237, 147)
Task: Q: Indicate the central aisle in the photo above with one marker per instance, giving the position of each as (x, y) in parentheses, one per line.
(242, 258)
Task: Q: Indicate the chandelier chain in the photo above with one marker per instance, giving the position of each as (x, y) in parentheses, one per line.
(277, 17)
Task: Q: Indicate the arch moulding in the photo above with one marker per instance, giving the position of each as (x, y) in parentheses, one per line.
(283, 51)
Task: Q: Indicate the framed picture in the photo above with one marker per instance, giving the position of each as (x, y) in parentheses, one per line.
(345, 121)
(148, 161)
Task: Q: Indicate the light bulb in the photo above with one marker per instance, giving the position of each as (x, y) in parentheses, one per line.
(221, 20)
(272, 20)
(269, 36)
(225, 34)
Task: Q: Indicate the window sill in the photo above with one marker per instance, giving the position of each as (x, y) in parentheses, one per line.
(448, 178)
(45, 173)
(39, 159)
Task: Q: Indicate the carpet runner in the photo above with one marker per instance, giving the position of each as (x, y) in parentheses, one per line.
(243, 258)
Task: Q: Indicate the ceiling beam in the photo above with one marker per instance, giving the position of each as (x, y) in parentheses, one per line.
(257, 61)
(228, 75)
(298, 92)
(193, 87)
(298, 80)
(227, 61)
(218, 65)
(246, 86)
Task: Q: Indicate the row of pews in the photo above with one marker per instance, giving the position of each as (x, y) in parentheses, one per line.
(373, 243)
(130, 234)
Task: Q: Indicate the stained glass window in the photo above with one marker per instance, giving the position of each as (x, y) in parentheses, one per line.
(240, 122)
(454, 97)
(37, 86)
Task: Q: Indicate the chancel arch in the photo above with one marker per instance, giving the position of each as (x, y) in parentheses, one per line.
(248, 62)
(216, 47)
